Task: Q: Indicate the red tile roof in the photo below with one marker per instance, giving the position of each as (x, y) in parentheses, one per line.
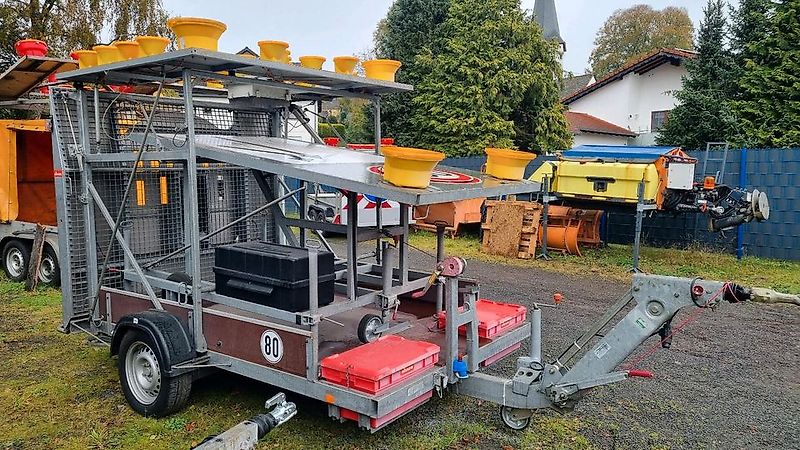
(582, 122)
(644, 64)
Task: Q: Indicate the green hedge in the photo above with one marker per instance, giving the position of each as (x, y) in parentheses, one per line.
(326, 129)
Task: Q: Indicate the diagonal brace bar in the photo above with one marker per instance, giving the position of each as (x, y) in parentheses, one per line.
(121, 240)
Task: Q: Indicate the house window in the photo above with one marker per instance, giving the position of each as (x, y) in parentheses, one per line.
(658, 119)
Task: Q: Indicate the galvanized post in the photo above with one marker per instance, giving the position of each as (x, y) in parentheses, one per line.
(403, 262)
(302, 213)
(88, 204)
(545, 217)
(313, 305)
(378, 226)
(470, 300)
(377, 102)
(352, 245)
(191, 211)
(451, 326)
(637, 238)
(439, 258)
(742, 185)
(536, 334)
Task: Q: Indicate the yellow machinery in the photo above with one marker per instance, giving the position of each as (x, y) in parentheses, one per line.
(614, 173)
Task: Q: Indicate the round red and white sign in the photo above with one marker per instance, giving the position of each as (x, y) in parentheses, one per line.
(442, 176)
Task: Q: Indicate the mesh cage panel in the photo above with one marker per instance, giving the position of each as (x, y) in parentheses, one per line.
(153, 220)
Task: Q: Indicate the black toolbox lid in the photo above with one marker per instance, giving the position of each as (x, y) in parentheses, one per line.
(267, 261)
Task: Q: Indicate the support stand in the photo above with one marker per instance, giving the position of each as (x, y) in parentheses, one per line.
(546, 204)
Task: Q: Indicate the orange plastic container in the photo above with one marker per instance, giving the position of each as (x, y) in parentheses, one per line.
(409, 167)
(152, 45)
(345, 64)
(312, 62)
(107, 54)
(128, 49)
(86, 58)
(379, 365)
(381, 69)
(197, 32)
(494, 318)
(506, 163)
(277, 51)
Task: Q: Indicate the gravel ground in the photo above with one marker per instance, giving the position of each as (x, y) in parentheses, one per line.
(729, 381)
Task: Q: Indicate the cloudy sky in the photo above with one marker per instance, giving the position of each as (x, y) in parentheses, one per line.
(344, 27)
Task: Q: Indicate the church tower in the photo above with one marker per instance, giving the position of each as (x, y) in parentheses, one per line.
(544, 12)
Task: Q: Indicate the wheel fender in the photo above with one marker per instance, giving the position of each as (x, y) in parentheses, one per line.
(173, 343)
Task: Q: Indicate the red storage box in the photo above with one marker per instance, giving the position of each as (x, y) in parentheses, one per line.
(493, 318)
(379, 365)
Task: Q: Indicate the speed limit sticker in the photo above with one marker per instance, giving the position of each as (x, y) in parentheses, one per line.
(271, 346)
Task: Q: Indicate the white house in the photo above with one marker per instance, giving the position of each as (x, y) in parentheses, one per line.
(636, 97)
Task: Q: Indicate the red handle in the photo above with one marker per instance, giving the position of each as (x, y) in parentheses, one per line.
(640, 373)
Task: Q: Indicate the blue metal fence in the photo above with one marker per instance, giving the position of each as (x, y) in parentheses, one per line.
(775, 171)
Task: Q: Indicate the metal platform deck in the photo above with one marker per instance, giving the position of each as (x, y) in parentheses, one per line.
(339, 168)
(171, 65)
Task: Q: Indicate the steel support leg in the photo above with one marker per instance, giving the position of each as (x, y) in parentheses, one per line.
(439, 258)
(637, 237)
(192, 217)
(403, 262)
(545, 217)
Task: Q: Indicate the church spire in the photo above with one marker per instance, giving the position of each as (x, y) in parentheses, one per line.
(544, 12)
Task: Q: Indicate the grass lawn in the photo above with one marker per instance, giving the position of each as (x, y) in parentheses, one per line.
(615, 261)
(58, 391)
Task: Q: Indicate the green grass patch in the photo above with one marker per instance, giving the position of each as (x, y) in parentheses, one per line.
(615, 261)
(58, 391)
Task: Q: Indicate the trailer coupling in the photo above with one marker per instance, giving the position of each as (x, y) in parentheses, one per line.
(594, 358)
(245, 435)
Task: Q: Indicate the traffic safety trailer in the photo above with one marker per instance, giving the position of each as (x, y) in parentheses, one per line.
(176, 252)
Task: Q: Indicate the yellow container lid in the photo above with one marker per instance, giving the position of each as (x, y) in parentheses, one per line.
(409, 167)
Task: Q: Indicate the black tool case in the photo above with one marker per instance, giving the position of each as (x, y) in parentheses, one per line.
(271, 274)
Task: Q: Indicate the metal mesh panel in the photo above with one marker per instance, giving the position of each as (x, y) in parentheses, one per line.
(153, 222)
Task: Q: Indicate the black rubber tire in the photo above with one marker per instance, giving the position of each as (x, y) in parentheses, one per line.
(363, 336)
(55, 281)
(22, 247)
(174, 391)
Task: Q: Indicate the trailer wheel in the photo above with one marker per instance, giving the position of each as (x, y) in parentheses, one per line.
(146, 385)
(49, 271)
(512, 420)
(366, 328)
(16, 257)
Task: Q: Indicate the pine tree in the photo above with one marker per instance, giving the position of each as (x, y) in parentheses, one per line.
(487, 70)
(409, 27)
(767, 107)
(703, 114)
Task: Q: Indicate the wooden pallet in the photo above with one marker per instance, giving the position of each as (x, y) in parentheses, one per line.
(511, 228)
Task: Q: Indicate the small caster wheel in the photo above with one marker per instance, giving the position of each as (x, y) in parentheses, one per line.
(366, 328)
(512, 419)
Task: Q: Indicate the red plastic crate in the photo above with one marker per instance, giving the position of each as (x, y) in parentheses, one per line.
(379, 365)
(375, 423)
(493, 318)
